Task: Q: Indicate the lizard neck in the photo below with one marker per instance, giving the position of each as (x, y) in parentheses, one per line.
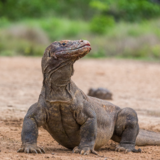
(57, 85)
(60, 94)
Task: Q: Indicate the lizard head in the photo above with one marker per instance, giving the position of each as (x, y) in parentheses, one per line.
(65, 51)
(68, 49)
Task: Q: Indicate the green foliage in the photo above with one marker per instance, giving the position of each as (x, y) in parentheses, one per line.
(30, 37)
(138, 53)
(98, 5)
(128, 40)
(128, 10)
(36, 8)
(11, 46)
(155, 51)
(100, 24)
(132, 10)
(135, 10)
(105, 23)
(58, 29)
(143, 52)
(4, 22)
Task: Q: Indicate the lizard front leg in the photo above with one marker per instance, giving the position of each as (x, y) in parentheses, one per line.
(29, 135)
(86, 117)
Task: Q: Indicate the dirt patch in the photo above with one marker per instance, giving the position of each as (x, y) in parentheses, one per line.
(133, 84)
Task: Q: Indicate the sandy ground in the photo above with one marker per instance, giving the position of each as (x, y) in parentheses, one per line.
(133, 84)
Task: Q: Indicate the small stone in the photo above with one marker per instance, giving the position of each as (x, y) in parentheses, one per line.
(52, 153)
(9, 106)
(47, 157)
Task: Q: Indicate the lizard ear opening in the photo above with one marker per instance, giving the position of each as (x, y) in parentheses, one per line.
(48, 54)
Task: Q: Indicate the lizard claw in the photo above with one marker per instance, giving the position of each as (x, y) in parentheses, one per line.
(119, 148)
(29, 148)
(26, 150)
(42, 149)
(33, 151)
(137, 150)
(87, 152)
(94, 152)
(20, 150)
(84, 151)
(75, 150)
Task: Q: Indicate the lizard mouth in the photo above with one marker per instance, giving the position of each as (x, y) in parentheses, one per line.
(79, 51)
(85, 45)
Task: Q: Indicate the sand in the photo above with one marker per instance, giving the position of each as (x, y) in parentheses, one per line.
(134, 84)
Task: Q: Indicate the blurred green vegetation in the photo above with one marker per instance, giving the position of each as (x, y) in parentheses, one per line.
(129, 29)
(132, 10)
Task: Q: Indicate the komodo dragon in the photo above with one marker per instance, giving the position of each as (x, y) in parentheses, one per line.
(73, 119)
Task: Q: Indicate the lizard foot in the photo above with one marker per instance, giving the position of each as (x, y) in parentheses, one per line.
(84, 150)
(126, 148)
(31, 148)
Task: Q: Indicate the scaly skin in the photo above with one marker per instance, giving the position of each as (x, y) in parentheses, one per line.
(101, 93)
(73, 119)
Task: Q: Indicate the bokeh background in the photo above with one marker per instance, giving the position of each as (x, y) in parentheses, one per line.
(115, 28)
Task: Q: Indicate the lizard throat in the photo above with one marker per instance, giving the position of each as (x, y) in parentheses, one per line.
(59, 94)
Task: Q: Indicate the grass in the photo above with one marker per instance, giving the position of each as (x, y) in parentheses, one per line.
(124, 40)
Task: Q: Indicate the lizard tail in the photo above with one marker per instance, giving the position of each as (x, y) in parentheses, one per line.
(145, 138)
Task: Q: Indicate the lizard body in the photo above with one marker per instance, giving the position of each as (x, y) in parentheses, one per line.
(73, 119)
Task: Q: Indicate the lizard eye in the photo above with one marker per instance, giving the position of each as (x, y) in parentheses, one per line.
(63, 44)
